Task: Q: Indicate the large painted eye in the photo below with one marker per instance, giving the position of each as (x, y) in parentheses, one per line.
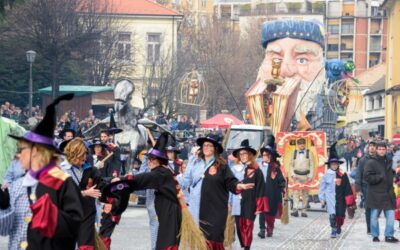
(302, 61)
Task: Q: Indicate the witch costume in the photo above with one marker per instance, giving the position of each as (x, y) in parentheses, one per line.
(335, 190)
(274, 189)
(209, 193)
(250, 202)
(167, 206)
(109, 219)
(85, 177)
(45, 207)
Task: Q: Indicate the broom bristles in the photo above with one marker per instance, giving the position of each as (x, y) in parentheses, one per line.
(285, 213)
(98, 243)
(229, 233)
(191, 236)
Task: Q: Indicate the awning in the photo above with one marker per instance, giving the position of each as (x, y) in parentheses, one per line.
(221, 121)
(372, 127)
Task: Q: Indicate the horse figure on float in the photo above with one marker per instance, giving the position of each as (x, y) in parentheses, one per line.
(134, 137)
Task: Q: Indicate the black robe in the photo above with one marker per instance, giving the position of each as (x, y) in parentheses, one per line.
(214, 201)
(343, 194)
(90, 177)
(166, 203)
(253, 200)
(64, 194)
(109, 168)
(274, 188)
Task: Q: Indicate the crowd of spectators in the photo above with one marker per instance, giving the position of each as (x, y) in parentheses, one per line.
(21, 115)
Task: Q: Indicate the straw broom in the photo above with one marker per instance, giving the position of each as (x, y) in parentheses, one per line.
(285, 212)
(191, 237)
(98, 243)
(229, 233)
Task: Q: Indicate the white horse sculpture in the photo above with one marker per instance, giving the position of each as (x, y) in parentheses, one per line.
(134, 136)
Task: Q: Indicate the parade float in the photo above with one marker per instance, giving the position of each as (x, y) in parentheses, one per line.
(300, 94)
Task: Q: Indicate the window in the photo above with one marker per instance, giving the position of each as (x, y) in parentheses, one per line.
(333, 47)
(371, 103)
(347, 28)
(380, 102)
(153, 48)
(333, 29)
(203, 3)
(124, 47)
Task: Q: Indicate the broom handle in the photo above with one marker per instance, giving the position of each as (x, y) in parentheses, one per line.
(153, 142)
(107, 157)
(285, 214)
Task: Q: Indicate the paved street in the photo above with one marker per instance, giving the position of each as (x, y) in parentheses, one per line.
(301, 233)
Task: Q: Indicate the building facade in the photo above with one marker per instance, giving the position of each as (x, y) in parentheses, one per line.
(392, 100)
(374, 109)
(356, 29)
(147, 40)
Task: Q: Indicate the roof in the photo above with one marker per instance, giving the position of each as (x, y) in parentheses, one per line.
(378, 86)
(136, 7)
(78, 90)
(371, 76)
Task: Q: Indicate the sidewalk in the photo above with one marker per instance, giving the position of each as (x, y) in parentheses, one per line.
(357, 237)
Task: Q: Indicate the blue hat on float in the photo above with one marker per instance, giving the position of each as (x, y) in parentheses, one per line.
(296, 29)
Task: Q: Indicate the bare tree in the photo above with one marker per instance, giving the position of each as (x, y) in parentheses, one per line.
(59, 30)
(228, 61)
(160, 79)
(109, 56)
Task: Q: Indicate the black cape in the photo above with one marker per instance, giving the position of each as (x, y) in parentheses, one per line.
(214, 201)
(166, 203)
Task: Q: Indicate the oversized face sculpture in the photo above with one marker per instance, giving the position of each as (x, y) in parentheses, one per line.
(298, 46)
(299, 58)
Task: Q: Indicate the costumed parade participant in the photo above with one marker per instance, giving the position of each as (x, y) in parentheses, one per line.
(275, 185)
(173, 161)
(301, 170)
(89, 181)
(44, 210)
(67, 133)
(176, 225)
(250, 202)
(112, 148)
(102, 161)
(210, 180)
(335, 191)
(150, 197)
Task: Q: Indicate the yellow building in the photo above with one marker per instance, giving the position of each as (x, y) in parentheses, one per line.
(147, 41)
(196, 11)
(392, 112)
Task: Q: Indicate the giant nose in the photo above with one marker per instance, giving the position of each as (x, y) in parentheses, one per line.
(288, 67)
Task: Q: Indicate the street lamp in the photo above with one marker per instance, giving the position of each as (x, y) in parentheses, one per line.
(30, 57)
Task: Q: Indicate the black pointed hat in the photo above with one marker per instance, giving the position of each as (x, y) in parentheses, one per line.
(333, 155)
(63, 145)
(120, 191)
(67, 128)
(79, 134)
(97, 141)
(43, 133)
(271, 147)
(244, 145)
(113, 129)
(171, 145)
(158, 150)
(200, 141)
